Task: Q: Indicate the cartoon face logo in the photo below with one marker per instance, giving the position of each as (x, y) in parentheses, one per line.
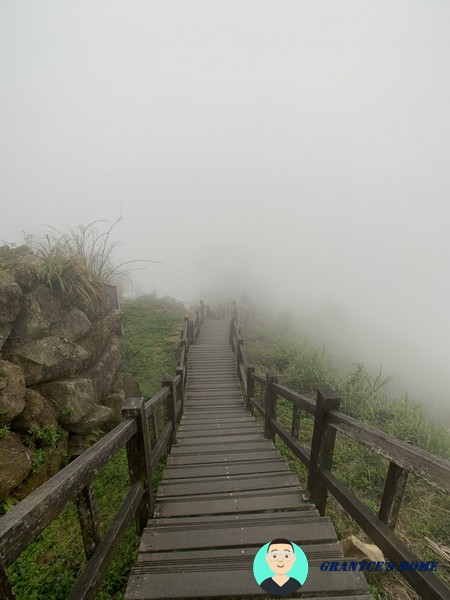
(280, 557)
(280, 567)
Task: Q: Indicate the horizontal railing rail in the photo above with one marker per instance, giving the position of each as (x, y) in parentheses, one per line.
(138, 433)
(404, 458)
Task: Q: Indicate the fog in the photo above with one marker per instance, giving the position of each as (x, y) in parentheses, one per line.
(295, 150)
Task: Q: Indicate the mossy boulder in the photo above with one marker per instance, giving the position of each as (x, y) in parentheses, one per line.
(73, 325)
(71, 399)
(12, 391)
(15, 463)
(40, 309)
(48, 358)
(115, 400)
(38, 413)
(10, 296)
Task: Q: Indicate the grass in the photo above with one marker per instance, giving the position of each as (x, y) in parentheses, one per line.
(77, 264)
(51, 565)
(425, 511)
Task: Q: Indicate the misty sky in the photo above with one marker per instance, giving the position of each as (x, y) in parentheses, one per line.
(295, 149)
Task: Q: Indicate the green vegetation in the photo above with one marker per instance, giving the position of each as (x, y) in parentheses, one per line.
(51, 565)
(4, 430)
(425, 511)
(77, 264)
(149, 343)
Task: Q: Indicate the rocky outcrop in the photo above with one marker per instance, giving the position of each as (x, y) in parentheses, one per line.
(101, 335)
(15, 463)
(40, 309)
(5, 330)
(12, 391)
(37, 413)
(104, 370)
(114, 401)
(127, 383)
(92, 420)
(73, 325)
(71, 399)
(47, 358)
(51, 464)
(59, 356)
(10, 296)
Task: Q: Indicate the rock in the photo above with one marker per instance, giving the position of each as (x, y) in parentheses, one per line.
(95, 418)
(37, 413)
(96, 307)
(79, 443)
(47, 358)
(50, 466)
(101, 334)
(73, 326)
(10, 295)
(355, 548)
(15, 463)
(105, 369)
(40, 309)
(12, 391)
(26, 270)
(71, 399)
(114, 401)
(5, 330)
(127, 383)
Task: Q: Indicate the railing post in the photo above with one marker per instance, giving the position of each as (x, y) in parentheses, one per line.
(152, 429)
(239, 354)
(250, 388)
(322, 446)
(196, 326)
(271, 402)
(180, 389)
(6, 590)
(139, 458)
(171, 410)
(202, 311)
(295, 430)
(87, 516)
(230, 337)
(392, 495)
(235, 312)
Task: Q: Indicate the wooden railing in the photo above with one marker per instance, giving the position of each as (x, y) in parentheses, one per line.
(404, 458)
(144, 447)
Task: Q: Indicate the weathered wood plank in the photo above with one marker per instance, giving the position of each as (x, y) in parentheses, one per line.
(228, 579)
(224, 446)
(187, 442)
(226, 457)
(233, 504)
(228, 483)
(307, 531)
(229, 468)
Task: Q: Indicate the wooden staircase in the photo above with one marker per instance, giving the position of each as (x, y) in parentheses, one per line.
(225, 492)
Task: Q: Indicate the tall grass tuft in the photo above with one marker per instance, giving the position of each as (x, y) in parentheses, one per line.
(78, 264)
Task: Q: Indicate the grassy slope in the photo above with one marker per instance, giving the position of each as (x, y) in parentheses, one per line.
(49, 567)
(425, 511)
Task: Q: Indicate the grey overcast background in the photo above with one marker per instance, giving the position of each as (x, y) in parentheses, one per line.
(297, 150)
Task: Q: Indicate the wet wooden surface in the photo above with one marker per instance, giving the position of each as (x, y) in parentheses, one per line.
(225, 492)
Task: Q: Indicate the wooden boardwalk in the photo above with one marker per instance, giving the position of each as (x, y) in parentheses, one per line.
(225, 492)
